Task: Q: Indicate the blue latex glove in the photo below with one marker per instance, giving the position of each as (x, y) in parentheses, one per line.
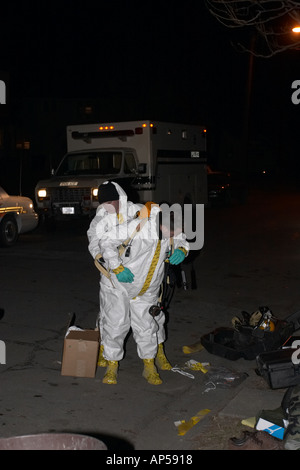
(125, 276)
(177, 257)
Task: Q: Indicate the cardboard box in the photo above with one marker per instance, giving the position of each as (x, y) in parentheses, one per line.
(80, 354)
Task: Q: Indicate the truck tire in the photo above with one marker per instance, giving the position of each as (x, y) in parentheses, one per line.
(8, 231)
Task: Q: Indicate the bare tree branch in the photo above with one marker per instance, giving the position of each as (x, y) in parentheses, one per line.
(270, 21)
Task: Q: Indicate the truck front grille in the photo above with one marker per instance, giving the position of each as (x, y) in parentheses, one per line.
(66, 194)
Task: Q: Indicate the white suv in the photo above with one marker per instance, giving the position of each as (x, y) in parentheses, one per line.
(17, 215)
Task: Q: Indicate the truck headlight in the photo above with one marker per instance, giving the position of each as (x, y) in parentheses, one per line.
(95, 194)
(42, 194)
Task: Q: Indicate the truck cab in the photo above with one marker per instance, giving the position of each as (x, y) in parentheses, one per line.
(73, 190)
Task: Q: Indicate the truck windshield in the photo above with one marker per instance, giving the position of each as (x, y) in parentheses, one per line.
(90, 163)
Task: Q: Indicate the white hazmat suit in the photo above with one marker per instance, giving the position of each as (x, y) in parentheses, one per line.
(126, 304)
(105, 222)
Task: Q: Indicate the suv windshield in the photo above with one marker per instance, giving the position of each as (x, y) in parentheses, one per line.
(90, 163)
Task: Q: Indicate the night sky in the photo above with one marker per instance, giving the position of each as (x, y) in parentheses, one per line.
(169, 61)
(152, 55)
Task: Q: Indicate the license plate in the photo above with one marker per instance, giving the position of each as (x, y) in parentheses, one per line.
(68, 210)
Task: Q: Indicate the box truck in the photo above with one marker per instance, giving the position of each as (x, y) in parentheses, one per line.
(152, 161)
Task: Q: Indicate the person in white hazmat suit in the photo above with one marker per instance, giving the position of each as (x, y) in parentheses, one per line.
(126, 297)
(114, 209)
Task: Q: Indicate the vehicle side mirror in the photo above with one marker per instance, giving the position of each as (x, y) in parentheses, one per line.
(142, 168)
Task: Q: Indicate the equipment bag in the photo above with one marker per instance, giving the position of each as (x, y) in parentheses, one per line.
(253, 334)
(278, 368)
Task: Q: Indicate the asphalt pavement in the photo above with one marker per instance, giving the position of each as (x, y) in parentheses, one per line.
(250, 258)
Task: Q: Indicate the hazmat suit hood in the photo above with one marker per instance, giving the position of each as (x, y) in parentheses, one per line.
(122, 197)
(106, 222)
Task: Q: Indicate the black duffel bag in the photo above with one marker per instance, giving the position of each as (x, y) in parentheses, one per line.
(246, 340)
